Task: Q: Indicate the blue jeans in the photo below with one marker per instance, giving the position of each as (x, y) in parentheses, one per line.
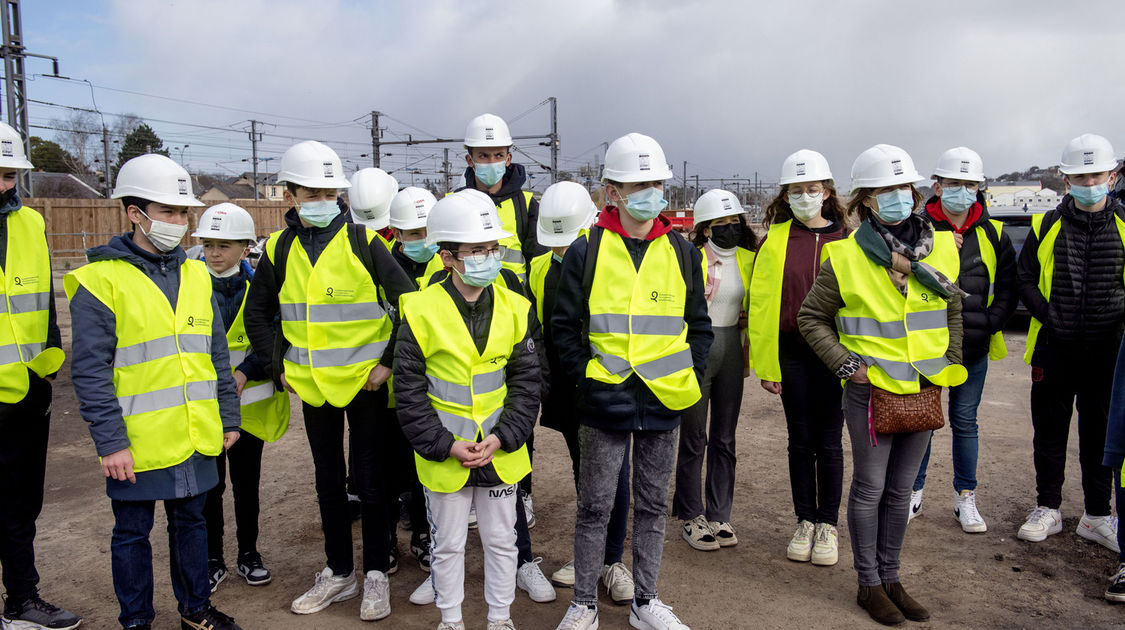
(963, 402)
(132, 557)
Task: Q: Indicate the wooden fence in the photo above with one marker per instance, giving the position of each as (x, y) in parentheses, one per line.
(75, 225)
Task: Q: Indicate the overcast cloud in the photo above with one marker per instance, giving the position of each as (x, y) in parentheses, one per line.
(731, 87)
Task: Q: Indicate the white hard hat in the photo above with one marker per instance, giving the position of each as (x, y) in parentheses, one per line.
(226, 221)
(715, 203)
(635, 158)
(960, 163)
(565, 210)
(1088, 153)
(466, 216)
(410, 207)
(312, 164)
(488, 130)
(12, 154)
(156, 178)
(884, 165)
(805, 165)
(370, 197)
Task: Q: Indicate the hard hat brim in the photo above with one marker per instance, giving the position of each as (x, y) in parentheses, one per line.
(550, 239)
(1104, 167)
(168, 200)
(800, 179)
(484, 236)
(940, 172)
(659, 175)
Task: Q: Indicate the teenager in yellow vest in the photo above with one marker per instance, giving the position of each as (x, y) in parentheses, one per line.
(152, 374)
(727, 243)
(335, 287)
(467, 384)
(1071, 272)
(639, 290)
(33, 354)
(884, 312)
(988, 275)
(488, 144)
(806, 215)
(409, 209)
(227, 231)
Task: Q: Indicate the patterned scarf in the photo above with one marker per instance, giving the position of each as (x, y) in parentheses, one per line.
(901, 260)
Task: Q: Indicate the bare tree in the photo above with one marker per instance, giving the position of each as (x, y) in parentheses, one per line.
(79, 134)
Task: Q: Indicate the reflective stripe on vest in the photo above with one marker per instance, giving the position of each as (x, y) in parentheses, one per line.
(897, 337)
(163, 375)
(334, 318)
(265, 410)
(637, 321)
(466, 388)
(997, 349)
(25, 306)
(1046, 255)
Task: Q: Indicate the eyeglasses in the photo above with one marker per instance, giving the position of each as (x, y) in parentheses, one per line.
(478, 255)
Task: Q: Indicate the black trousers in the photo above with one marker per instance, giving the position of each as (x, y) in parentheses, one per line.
(405, 480)
(1060, 378)
(371, 428)
(24, 427)
(245, 459)
(811, 397)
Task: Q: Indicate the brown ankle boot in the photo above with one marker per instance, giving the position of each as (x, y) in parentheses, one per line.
(911, 609)
(874, 600)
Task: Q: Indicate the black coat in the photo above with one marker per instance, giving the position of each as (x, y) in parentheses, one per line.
(981, 320)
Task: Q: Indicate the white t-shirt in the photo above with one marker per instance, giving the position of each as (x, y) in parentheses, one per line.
(724, 302)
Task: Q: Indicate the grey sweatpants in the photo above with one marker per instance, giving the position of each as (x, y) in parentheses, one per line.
(721, 388)
(882, 477)
(602, 455)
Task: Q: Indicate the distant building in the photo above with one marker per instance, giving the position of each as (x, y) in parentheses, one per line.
(226, 191)
(65, 185)
(996, 189)
(268, 188)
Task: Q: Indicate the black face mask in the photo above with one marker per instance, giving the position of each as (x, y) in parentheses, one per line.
(726, 236)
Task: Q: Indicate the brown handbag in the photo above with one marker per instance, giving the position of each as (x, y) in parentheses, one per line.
(905, 413)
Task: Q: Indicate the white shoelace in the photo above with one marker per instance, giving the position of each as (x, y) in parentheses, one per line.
(535, 575)
(804, 531)
(1037, 515)
(574, 617)
(617, 573)
(824, 535)
(1120, 575)
(969, 510)
(661, 611)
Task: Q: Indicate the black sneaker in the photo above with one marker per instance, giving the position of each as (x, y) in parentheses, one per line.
(1116, 590)
(210, 619)
(250, 567)
(420, 549)
(36, 613)
(143, 626)
(216, 573)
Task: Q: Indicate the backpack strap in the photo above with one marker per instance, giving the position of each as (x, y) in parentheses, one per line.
(521, 202)
(683, 253)
(281, 256)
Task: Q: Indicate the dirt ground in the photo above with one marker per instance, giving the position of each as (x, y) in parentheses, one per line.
(989, 580)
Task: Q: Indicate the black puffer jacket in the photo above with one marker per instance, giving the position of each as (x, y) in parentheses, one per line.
(979, 319)
(1087, 302)
(416, 414)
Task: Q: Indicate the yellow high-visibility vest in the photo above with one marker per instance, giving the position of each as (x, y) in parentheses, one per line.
(334, 318)
(537, 280)
(466, 388)
(433, 266)
(997, 349)
(763, 318)
(265, 411)
(511, 249)
(898, 337)
(163, 375)
(637, 321)
(26, 283)
(1046, 255)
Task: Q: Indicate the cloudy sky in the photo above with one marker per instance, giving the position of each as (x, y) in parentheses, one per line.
(730, 87)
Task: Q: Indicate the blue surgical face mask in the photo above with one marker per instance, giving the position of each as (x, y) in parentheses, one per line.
(318, 213)
(646, 204)
(957, 200)
(556, 257)
(418, 251)
(895, 205)
(1089, 195)
(489, 174)
(481, 274)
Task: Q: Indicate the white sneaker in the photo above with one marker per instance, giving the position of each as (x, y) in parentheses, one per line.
(724, 533)
(655, 615)
(455, 625)
(698, 534)
(501, 625)
(618, 583)
(1100, 529)
(326, 590)
(424, 594)
(826, 550)
(529, 510)
(800, 546)
(965, 509)
(376, 602)
(530, 578)
(1041, 523)
(915, 504)
(473, 517)
(579, 617)
(564, 576)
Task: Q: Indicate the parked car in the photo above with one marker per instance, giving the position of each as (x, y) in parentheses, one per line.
(1017, 225)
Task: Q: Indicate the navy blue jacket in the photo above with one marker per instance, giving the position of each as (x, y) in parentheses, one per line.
(93, 350)
(1115, 430)
(630, 405)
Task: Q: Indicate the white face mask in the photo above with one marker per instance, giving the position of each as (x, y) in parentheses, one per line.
(164, 236)
(806, 206)
(226, 274)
